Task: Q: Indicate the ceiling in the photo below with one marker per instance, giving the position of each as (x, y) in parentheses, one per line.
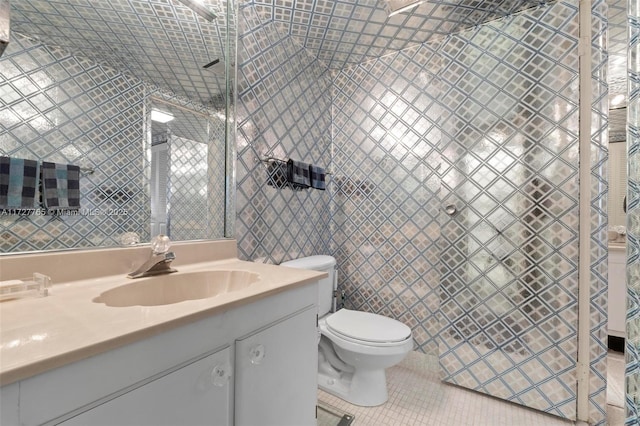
(159, 41)
(341, 33)
(166, 42)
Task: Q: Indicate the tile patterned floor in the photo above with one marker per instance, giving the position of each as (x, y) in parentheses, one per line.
(418, 397)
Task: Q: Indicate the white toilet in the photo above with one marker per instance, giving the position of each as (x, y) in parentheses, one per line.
(354, 347)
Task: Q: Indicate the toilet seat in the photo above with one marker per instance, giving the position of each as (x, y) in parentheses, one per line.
(367, 329)
(363, 347)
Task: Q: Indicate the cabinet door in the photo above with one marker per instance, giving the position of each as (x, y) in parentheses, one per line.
(196, 394)
(276, 374)
(617, 293)
(9, 397)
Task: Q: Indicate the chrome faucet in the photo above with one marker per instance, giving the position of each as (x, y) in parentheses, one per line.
(160, 260)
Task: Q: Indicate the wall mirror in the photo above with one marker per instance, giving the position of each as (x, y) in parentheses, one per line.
(79, 83)
(617, 166)
(187, 172)
(617, 79)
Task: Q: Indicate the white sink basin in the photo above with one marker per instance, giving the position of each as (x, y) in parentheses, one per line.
(169, 289)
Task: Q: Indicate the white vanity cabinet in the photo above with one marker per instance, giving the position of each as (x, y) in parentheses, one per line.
(201, 372)
(9, 400)
(266, 363)
(195, 394)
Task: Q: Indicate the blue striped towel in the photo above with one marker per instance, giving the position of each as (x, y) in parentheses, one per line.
(60, 186)
(298, 174)
(19, 180)
(317, 176)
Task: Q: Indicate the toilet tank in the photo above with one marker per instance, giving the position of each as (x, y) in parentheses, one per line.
(326, 286)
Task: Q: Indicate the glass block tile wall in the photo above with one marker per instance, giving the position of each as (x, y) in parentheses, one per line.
(283, 111)
(61, 108)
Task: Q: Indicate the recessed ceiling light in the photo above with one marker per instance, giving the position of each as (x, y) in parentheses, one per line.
(399, 6)
(161, 116)
(198, 7)
(617, 100)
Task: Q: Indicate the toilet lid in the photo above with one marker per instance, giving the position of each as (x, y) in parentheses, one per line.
(367, 326)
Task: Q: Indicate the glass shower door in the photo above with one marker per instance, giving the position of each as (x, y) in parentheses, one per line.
(509, 216)
(509, 283)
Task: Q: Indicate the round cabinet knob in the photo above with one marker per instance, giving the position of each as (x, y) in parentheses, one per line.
(160, 244)
(220, 374)
(256, 354)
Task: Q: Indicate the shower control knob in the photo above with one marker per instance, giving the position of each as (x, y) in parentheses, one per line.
(256, 354)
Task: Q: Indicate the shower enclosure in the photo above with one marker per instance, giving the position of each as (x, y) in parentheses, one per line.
(482, 122)
(511, 211)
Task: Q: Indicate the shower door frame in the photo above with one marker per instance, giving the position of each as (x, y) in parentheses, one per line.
(587, 328)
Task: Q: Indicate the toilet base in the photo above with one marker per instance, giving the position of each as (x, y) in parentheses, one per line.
(366, 388)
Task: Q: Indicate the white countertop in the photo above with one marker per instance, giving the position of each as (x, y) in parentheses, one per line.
(613, 246)
(39, 334)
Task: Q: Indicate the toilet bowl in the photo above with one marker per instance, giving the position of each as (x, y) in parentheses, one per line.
(368, 343)
(355, 347)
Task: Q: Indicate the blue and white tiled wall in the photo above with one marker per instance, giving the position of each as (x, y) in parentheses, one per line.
(400, 123)
(395, 140)
(632, 373)
(283, 111)
(386, 188)
(61, 108)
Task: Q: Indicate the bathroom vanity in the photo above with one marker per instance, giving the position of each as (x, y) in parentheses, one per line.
(241, 357)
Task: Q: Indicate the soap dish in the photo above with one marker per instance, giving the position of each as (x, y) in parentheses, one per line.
(36, 286)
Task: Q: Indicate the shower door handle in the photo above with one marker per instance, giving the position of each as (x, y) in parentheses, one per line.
(450, 209)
